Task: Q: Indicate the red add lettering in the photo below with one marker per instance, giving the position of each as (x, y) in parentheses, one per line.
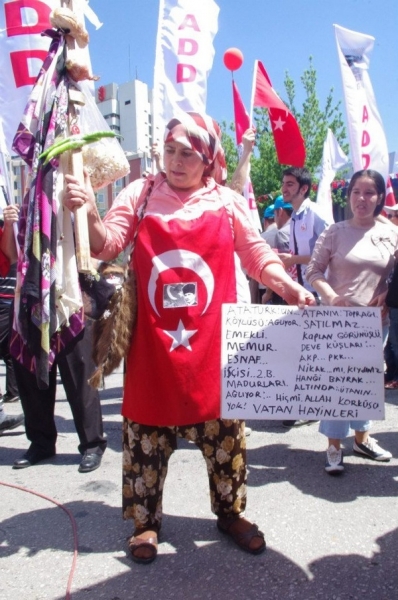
(365, 161)
(185, 73)
(20, 65)
(13, 17)
(190, 21)
(365, 139)
(187, 46)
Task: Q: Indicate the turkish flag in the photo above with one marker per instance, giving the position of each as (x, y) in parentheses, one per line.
(242, 119)
(242, 123)
(289, 142)
(390, 198)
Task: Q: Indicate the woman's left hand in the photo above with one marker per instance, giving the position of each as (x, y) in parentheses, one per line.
(275, 277)
(295, 294)
(380, 300)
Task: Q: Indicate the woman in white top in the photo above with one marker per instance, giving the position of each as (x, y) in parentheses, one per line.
(350, 267)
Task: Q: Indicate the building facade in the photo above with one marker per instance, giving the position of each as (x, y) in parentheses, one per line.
(127, 110)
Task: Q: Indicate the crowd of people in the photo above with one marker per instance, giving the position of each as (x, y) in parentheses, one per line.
(194, 243)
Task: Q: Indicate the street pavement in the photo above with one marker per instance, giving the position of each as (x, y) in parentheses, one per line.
(329, 538)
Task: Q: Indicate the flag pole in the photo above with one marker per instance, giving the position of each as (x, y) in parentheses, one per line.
(5, 171)
(253, 92)
(157, 120)
(4, 168)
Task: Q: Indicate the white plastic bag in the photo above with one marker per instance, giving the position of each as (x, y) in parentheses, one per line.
(105, 160)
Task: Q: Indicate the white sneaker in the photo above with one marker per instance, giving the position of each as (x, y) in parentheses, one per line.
(334, 460)
(372, 450)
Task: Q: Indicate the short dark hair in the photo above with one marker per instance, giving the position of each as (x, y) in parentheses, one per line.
(302, 175)
(189, 288)
(379, 182)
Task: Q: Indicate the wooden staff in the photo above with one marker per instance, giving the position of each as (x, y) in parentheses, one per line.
(76, 98)
(82, 240)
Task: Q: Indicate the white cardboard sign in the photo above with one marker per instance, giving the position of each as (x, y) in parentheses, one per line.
(282, 362)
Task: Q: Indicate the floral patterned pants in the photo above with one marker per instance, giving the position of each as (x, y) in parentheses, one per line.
(146, 452)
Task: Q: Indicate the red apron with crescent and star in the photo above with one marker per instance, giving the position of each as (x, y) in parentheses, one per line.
(185, 271)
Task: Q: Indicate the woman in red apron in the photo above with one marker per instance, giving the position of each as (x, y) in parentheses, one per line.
(185, 246)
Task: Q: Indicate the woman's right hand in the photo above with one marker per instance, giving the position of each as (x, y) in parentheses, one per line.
(76, 195)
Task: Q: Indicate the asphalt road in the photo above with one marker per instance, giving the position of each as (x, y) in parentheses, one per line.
(328, 538)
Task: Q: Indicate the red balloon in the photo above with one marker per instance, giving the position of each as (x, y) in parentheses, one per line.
(233, 59)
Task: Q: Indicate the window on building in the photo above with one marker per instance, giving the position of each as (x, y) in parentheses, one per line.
(127, 102)
(100, 197)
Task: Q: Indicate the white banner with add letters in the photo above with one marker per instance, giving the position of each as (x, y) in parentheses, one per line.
(184, 58)
(368, 144)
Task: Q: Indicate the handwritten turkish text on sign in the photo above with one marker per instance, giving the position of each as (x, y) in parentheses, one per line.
(282, 362)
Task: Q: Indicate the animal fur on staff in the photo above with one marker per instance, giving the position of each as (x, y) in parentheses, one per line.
(112, 332)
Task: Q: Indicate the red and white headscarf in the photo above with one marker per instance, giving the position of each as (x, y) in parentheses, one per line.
(202, 134)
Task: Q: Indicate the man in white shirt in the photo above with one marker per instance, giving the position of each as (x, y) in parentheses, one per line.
(307, 221)
(306, 226)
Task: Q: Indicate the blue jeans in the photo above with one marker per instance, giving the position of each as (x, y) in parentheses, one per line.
(338, 430)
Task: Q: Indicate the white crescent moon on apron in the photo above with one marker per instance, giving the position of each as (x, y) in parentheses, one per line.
(170, 295)
(187, 260)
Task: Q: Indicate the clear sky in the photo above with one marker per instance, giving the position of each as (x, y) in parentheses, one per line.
(283, 34)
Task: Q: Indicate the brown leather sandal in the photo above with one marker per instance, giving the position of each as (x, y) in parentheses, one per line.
(242, 532)
(144, 539)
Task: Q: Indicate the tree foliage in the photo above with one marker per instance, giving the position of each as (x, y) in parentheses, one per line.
(314, 121)
(230, 149)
